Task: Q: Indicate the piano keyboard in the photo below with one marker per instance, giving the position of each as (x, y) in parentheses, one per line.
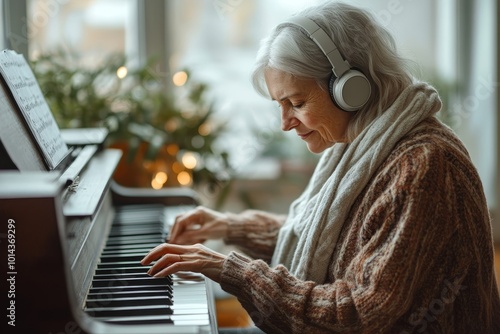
(123, 293)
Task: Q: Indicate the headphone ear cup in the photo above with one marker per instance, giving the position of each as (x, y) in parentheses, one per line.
(331, 89)
(351, 91)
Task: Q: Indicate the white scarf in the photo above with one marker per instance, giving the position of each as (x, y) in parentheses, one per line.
(307, 240)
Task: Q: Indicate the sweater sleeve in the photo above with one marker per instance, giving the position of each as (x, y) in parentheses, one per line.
(254, 232)
(402, 235)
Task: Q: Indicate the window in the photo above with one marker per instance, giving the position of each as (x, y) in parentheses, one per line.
(93, 29)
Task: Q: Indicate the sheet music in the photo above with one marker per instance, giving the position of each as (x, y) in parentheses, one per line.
(15, 136)
(27, 94)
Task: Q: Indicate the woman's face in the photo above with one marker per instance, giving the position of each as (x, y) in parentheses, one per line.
(308, 109)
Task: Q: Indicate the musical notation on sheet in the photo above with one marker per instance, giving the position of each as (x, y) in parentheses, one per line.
(28, 96)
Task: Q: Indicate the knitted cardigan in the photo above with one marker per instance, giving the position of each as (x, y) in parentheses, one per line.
(415, 254)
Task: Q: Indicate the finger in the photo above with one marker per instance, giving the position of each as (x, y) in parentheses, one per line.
(183, 223)
(160, 250)
(210, 267)
(196, 258)
(172, 263)
(166, 261)
(177, 229)
(153, 254)
(176, 267)
(189, 237)
(172, 254)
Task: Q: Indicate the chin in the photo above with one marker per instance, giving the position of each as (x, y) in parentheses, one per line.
(316, 149)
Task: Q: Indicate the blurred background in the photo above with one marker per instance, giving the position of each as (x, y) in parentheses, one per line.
(171, 80)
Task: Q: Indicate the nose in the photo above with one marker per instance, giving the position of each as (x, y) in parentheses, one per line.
(288, 121)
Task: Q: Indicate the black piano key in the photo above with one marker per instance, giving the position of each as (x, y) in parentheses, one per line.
(124, 218)
(134, 246)
(131, 281)
(143, 236)
(143, 251)
(133, 240)
(151, 235)
(115, 301)
(118, 264)
(188, 319)
(121, 275)
(129, 311)
(121, 258)
(134, 232)
(144, 224)
(110, 271)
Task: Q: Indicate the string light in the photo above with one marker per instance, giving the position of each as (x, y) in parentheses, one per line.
(205, 129)
(161, 177)
(180, 78)
(155, 184)
(184, 178)
(159, 180)
(189, 160)
(121, 72)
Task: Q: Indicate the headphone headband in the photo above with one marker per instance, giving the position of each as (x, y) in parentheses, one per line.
(325, 43)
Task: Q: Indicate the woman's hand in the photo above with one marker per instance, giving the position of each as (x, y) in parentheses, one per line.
(198, 225)
(173, 258)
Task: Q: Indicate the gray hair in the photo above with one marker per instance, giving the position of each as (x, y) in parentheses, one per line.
(362, 41)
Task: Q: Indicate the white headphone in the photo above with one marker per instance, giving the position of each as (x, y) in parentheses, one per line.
(349, 88)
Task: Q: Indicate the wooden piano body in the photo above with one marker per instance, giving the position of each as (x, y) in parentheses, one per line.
(50, 257)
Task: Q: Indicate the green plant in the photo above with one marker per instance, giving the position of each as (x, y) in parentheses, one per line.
(137, 110)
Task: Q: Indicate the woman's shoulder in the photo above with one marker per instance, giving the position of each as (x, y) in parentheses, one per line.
(432, 151)
(433, 139)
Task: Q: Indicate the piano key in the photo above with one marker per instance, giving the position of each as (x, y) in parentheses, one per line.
(100, 312)
(145, 232)
(129, 221)
(125, 257)
(131, 281)
(134, 231)
(116, 301)
(134, 226)
(141, 310)
(200, 320)
(122, 264)
(108, 271)
(122, 275)
(148, 246)
(143, 251)
(132, 240)
(131, 288)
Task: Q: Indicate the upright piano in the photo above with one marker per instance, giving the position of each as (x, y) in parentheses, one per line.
(71, 242)
(71, 239)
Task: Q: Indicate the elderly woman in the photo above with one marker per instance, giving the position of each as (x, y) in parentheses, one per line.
(392, 234)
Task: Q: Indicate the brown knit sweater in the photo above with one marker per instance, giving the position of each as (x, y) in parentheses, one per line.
(414, 256)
